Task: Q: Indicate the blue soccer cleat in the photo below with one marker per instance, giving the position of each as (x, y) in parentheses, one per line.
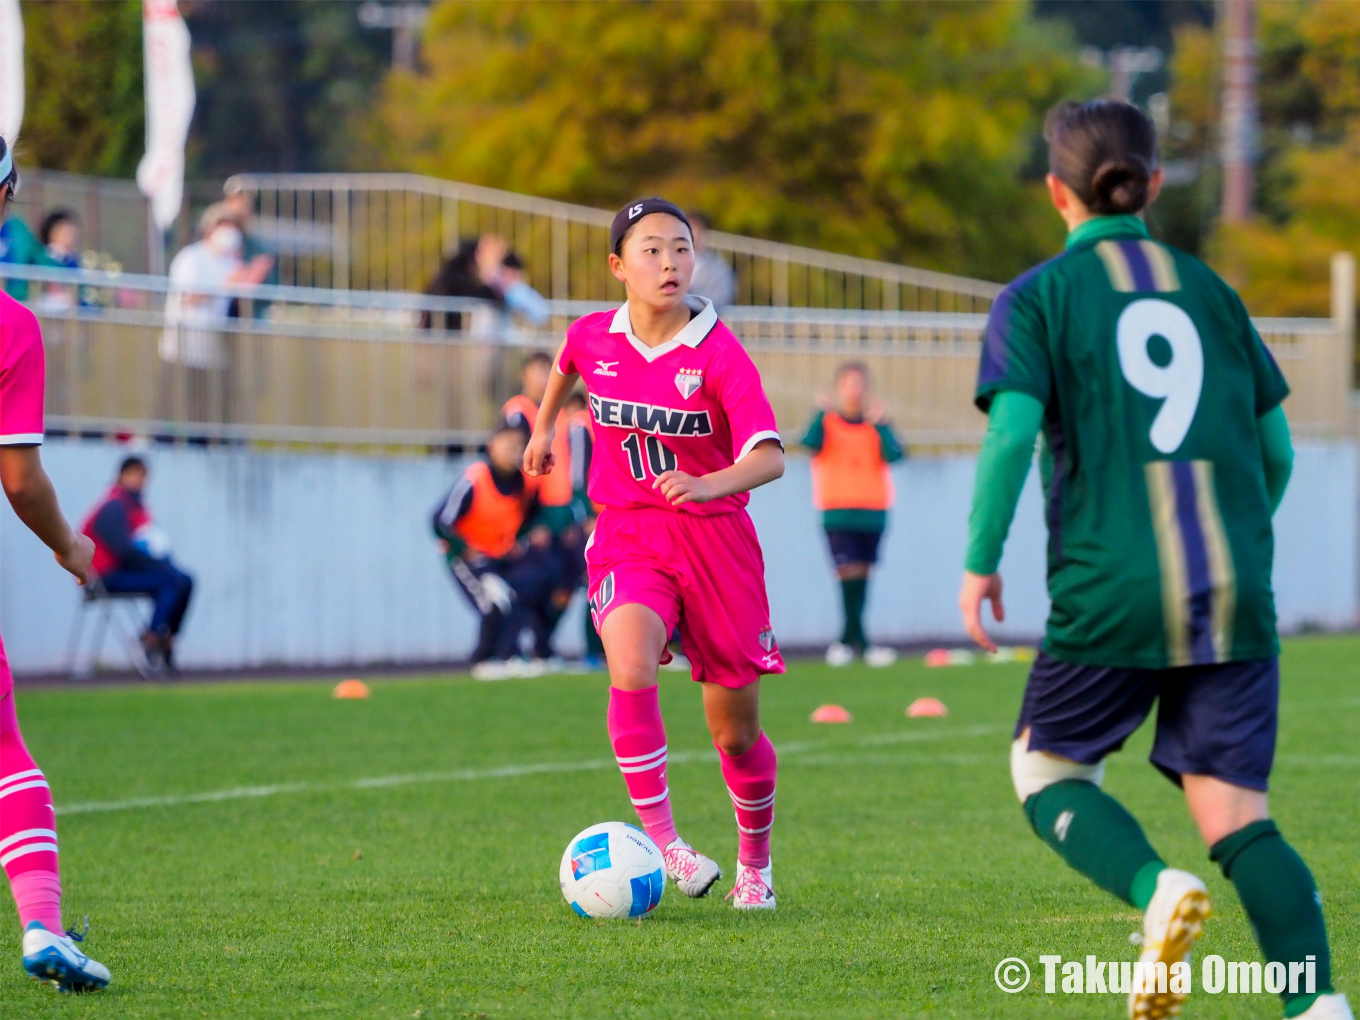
(55, 958)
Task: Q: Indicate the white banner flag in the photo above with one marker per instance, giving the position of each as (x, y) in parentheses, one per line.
(169, 77)
(11, 70)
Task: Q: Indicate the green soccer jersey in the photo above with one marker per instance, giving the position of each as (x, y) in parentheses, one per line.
(1152, 378)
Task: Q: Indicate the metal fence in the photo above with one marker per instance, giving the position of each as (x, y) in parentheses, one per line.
(356, 368)
(390, 231)
(112, 212)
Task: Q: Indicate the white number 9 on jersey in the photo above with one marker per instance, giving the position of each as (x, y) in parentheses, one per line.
(1178, 382)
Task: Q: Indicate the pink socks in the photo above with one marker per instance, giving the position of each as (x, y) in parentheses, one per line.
(28, 836)
(639, 739)
(750, 781)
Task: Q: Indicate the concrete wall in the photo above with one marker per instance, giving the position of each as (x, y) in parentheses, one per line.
(315, 559)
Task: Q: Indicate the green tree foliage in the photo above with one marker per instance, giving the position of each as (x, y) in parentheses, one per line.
(889, 130)
(280, 84)
(1309, 97)
(83, 85)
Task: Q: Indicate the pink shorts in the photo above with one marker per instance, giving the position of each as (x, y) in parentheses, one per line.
(706, 574)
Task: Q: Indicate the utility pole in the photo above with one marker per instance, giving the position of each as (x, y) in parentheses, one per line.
(404, 19)
(1238, 135)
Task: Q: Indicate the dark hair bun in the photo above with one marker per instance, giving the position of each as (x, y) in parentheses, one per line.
(1120, 186)
(1105, 151)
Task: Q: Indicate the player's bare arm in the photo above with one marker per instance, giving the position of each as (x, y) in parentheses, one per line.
(34, 501)
(763, 464)
(538, 456)
(977, 589)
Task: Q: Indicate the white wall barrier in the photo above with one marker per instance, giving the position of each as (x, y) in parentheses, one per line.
(327, 559)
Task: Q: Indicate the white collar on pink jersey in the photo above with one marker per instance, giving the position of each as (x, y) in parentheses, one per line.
(691, 334)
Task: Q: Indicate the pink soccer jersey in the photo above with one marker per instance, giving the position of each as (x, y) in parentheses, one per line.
(21, 375)
(694, 404)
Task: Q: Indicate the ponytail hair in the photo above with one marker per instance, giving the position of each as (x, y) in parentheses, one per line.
(1105, 151)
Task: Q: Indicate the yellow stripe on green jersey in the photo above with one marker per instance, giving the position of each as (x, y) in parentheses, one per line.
(1139, 266)
(1199, 586)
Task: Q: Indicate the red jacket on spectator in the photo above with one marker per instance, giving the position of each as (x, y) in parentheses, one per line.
(111, 525)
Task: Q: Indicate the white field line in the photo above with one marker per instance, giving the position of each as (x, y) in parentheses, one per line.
(494, 772)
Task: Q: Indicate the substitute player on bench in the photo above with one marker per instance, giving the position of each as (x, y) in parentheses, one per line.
(1165, 454)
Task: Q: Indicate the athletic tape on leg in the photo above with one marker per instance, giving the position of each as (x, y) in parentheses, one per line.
(1032, 771)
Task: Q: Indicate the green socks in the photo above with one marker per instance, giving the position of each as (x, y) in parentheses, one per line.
(1281, 901)
(853, 592)
(1092, 832)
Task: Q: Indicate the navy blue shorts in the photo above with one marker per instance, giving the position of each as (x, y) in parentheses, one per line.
(1218, 720)
(849, 547)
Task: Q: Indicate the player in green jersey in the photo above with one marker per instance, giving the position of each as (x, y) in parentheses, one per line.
(1165, 452)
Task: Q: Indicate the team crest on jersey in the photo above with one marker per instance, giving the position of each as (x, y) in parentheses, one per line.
(767, 639)
(688, 381)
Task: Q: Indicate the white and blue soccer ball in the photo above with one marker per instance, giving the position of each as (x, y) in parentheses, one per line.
(151, 541)
(613, 870)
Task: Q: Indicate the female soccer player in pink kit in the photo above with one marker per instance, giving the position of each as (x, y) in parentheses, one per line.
(683, 432)
(28, 823)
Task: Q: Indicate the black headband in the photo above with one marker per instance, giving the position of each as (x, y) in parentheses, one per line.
(634, 211)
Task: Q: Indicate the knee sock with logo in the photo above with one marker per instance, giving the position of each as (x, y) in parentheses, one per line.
(1096, 836)
(639, 738)
(1281, 901)
(750, 779)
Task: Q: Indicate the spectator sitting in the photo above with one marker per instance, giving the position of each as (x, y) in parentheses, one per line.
(19, 247)
(470, 272)
(713, 275)
(60, 237)
(131, 555)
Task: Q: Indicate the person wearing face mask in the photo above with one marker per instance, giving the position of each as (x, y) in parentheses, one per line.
(191, 348)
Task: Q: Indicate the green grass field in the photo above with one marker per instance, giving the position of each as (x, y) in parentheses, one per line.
(397, 857)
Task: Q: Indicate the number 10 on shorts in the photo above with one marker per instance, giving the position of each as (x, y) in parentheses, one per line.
(659, 458)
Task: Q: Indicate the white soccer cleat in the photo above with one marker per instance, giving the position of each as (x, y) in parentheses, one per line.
(55, 958)
(754, 889)
(1174, 920)
(1332, 1006)
(677, 663)
(692, 872)
(839, 655)
(878, 657)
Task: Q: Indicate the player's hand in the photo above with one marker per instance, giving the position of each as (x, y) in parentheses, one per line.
(77, 559)
(538, 455)
(679, 488)
(977, 589)
(877, 414)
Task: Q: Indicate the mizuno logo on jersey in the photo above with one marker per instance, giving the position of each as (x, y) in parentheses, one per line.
(606, 368)
(665, 421)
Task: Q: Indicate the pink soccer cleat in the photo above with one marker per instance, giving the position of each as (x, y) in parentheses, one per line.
(754, 889)
(693, 873)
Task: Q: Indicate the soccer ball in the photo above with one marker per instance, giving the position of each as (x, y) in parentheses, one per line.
(613, 870)
(151, 541)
